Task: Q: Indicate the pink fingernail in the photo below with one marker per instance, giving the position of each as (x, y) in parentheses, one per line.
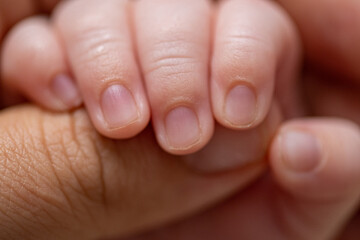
(240, 106)
(119, 107)
(66, 90)
(182, 128)
(301, 151)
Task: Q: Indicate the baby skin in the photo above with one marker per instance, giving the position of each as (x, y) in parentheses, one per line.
(184, 64)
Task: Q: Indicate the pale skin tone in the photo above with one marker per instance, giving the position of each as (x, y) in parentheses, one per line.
(187, 67)
(30, 124)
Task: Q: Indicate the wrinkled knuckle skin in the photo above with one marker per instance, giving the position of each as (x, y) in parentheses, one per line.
(98, 45)
(50, 169)
(171, 57)
(240, 59)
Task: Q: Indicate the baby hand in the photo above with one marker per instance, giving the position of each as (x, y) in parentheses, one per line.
(185, 63)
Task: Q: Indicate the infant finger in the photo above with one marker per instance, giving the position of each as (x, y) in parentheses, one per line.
(98, 41)
(173, 40)
(34, 65)
(254, 47)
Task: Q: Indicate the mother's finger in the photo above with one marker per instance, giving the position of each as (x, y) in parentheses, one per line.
(60, 180)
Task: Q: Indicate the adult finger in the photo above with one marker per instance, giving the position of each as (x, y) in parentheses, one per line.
(60, 180)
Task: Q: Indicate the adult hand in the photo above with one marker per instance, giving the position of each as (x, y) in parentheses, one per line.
(60, 180)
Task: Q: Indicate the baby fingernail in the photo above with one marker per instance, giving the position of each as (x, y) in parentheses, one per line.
(66, 90)
(182, 128)
(240, 106)
(301, 151)
(118, 106)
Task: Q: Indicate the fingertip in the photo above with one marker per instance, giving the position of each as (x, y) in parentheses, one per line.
(34, 65)
(122, 113)
(185, 131)
(66, 91)
(317, 158)
(300, 150)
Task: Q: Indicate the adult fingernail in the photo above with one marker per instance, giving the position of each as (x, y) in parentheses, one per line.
(182, 128)
(119, 107)
(301, 151)
(240, 106)
(66, 91)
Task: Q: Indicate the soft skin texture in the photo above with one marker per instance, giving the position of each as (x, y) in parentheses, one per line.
(334, 187)
(197, 64)
(341, 131)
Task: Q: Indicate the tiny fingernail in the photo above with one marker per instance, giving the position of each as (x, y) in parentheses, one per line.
(118, 106)
(182, 128)
(240, 106)
(301, 151)
(65, 89)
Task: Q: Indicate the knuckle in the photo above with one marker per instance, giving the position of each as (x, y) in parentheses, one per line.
(97, 44)
(171, 59)
(242, 57)
(175, 72)
(96, 40)
(100, 54)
